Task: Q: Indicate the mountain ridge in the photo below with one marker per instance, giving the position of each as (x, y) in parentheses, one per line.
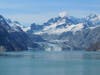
(70, 32)
(60, 33)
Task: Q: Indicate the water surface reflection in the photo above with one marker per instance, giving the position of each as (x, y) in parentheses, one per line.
(50, 63)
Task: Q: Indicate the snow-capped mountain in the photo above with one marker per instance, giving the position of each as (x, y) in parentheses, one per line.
(64, 23)
(60, 33)
(13, 38)
(69, 33)
(15, 25)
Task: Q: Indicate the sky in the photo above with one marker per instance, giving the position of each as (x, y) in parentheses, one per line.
(39, 11)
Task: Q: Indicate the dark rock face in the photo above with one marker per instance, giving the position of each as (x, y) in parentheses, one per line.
(34, 28)
(94, 47)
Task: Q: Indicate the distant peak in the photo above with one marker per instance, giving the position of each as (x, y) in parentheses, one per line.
(93, 15)
(17, 22)
(1, 16)
(63, 14)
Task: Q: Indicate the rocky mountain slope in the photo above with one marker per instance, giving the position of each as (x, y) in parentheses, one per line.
(60, 33)
(13, 38)
(69, 33)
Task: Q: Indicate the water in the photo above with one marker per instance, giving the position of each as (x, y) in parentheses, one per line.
(50, 63)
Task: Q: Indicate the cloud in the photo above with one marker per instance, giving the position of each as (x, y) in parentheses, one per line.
(63, 14)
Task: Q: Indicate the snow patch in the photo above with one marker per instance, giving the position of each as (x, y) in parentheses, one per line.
(78, 27)
(53, 26)
(26, 28)
(58, 31)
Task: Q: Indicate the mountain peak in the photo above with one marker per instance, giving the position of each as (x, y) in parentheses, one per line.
(63, 14)
(92, 16)
(1, 16)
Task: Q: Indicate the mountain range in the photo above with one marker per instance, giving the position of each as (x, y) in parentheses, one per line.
(57, 34)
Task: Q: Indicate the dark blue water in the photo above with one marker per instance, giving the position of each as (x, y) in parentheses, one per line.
(50, 63)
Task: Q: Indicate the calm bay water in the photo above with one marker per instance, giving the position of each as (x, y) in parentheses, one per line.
(50, 63)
